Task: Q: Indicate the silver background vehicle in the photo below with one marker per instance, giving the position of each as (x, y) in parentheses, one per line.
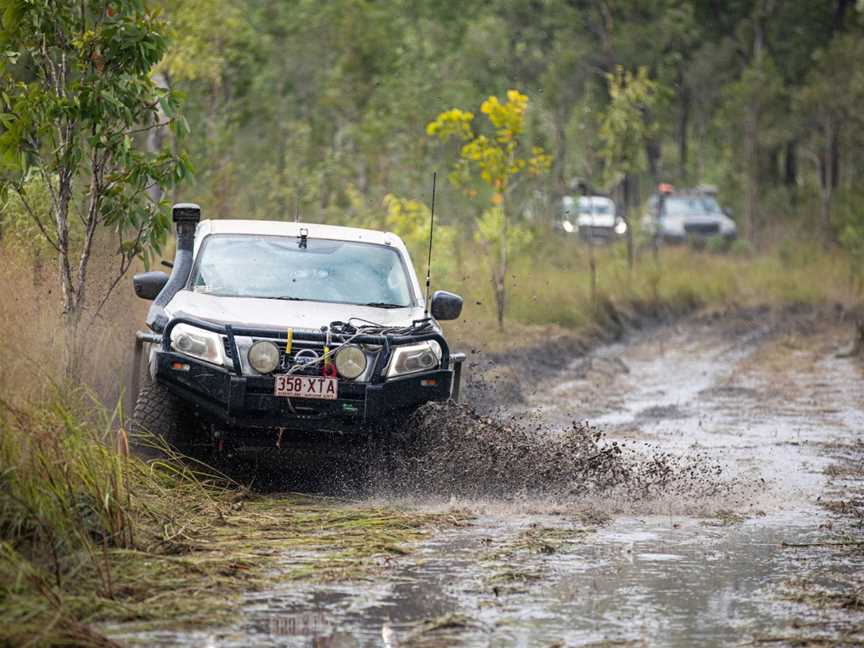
(684, 216)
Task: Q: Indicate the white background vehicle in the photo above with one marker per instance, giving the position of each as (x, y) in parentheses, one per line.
(591, 217)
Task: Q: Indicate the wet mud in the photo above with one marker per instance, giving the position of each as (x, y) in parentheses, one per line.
(698, 483)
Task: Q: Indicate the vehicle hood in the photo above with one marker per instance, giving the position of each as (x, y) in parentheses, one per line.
(253, 312)
(596, 220)
(678, 223)
(701, 219)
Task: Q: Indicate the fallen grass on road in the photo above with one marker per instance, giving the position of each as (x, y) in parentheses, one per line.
(90, 535)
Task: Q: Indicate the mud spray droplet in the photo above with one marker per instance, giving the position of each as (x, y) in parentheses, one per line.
(448, 450)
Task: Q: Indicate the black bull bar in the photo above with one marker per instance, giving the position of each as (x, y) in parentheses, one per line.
(386, 341)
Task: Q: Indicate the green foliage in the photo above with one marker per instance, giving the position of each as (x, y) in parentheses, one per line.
(491, 232)
(293, 102)
(623, 129)
(849, 219)
(717, 244)
(77, 105)
(17, 224)
(741, 248)
(852, 238)
(409, 219)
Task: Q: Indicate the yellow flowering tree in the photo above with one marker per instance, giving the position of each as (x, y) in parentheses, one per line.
(498, 160)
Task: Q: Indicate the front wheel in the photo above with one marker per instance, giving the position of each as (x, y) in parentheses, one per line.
(162, 424)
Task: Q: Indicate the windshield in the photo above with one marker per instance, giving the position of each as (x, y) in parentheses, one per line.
(277, 267)
(685, 205)
(596, 208)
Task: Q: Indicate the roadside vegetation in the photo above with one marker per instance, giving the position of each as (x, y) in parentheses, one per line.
(552, 288)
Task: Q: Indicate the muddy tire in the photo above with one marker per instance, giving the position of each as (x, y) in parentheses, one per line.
(160, 417)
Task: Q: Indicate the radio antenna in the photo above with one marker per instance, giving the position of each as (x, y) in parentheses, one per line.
(431, 230)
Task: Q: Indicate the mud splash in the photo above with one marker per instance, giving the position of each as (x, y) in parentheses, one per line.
(449, 450)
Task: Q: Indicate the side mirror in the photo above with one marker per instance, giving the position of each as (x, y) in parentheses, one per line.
(149, 284)
(727, 212)
(446, 305)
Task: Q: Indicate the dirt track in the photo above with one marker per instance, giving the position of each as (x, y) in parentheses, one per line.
(759, 406)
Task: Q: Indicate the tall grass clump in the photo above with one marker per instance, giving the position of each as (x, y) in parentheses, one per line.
(73, 505)
(31, 321)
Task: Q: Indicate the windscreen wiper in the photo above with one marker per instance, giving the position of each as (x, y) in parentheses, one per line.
(383, 305)
(289, 298)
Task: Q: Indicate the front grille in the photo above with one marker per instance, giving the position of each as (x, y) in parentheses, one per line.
(302, 352)
(595, 230)
(702, 228)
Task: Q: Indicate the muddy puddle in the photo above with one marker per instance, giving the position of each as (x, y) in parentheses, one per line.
(745, 420)
(637, 581)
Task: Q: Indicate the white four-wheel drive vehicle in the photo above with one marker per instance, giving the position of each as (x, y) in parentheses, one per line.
(592, 217)
(268, 329)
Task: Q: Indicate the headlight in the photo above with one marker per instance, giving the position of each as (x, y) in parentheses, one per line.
(673, 225)
(264, 357)
(414, 358)
(620, 227)
(198, 343)
(350, 361)
(568, 226)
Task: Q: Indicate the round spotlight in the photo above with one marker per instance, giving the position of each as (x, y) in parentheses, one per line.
(350, 361)
(264, 357)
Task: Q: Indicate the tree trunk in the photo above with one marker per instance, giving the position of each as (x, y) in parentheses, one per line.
(652, 155)
(839, 18)
(500, 275)
(71, 345)
(770, 167)
(683, 127)
(751, 189)
(558, 170)
(592, 266)
(156, 136)
(790, 164)
(826, 181)
(625, 216)
(835, 158)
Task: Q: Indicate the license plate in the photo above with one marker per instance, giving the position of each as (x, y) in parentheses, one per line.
(319, 387)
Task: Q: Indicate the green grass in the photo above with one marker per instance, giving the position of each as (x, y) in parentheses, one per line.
(549, 289)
